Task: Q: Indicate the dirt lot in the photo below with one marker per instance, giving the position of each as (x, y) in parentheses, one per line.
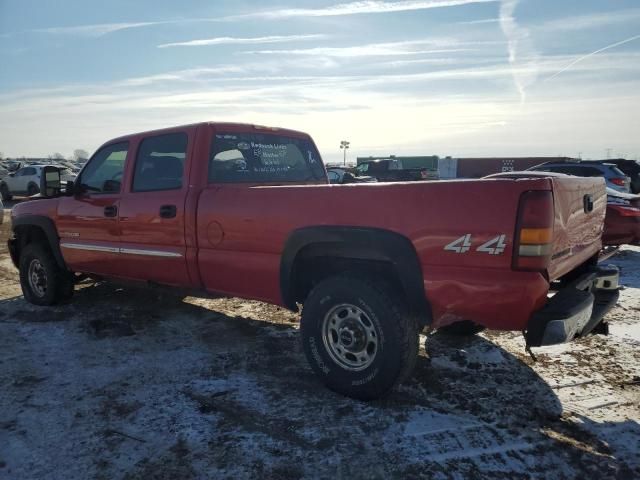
(131, 384)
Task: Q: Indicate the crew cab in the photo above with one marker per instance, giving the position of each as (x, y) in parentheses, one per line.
(247, 211)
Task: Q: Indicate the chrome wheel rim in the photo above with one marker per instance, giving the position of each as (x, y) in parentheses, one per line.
(350, 337)
(37, 278)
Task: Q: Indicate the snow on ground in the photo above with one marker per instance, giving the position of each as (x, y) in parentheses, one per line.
(131, 384)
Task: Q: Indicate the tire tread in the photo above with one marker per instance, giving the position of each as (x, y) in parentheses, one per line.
(407, 326)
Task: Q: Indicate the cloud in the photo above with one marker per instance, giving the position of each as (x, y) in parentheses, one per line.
(584, 57)
(351, 8)
(409, 47)
(355, 8)
(373, 50)
(521, 49)
(453, 117)
(479, 22)
(242, 41)
(594, 20)
(96, 30)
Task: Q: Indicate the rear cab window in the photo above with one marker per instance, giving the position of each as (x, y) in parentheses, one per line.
(263, 158)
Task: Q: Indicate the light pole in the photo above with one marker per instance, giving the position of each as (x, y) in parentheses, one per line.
(344, 145)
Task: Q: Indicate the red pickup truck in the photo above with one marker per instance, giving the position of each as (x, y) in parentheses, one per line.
(246, 211)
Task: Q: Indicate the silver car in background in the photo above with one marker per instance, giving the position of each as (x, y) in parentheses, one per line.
(25, 181)
(614, 177)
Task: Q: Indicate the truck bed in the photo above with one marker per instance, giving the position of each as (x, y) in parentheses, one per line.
(456, 283)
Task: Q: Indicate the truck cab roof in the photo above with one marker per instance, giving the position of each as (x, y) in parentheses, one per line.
(229, 126)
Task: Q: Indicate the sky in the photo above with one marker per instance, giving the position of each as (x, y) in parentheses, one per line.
(406, 77)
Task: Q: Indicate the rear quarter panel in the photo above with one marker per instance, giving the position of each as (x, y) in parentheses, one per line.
(242, 231)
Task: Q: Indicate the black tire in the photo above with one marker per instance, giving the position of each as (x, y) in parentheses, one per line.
(4, 192)
(32, 190)
(462, 329)
(53, 284)
(393, 353)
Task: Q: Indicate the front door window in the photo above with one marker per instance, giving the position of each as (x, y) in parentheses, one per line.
(103, 173)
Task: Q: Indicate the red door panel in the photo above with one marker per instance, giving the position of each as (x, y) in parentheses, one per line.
(153, 246)
(151, 214)
(89, 240)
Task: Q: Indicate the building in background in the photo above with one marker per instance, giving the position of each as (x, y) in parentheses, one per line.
(482, 166)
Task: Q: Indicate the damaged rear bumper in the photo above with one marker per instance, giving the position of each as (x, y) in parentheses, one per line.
(576, 310)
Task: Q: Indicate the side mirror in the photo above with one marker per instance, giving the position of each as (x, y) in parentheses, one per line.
(69, 189)
(50, 185)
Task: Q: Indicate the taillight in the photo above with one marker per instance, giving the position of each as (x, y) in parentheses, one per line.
(626, 211)
(619, 181)
(534, 231)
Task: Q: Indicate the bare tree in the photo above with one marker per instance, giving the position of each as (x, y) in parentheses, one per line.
(80, 154)
(58, 156)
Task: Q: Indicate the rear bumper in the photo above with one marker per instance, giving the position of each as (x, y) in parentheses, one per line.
(576, 310)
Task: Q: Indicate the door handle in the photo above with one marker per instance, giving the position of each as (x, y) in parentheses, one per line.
(168, 211)
(110, 211)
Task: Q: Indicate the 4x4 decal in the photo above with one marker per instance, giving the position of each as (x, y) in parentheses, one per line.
(495, 246)
(460, 245)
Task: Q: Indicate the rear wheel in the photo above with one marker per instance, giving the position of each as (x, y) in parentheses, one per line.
(43, 282)
(462, 329)
(357, 336)
(4, 192)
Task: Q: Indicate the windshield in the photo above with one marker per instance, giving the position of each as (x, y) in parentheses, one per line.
(263, 158)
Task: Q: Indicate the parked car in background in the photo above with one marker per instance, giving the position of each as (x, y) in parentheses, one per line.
(622, 219)
(622, 222)
(631, 168)
(345, 175)
(614, 177)
(26, 181)
(393, 170)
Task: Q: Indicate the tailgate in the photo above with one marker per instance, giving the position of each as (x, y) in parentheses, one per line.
(580, 206)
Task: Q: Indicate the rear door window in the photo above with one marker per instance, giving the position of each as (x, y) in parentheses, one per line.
(589, 172)
(263, 158)
(160, 163)
(551, 168)
(617, 171)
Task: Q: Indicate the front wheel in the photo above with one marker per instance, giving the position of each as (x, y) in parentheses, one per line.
(32, 190)
(358, 337)
(43, 282)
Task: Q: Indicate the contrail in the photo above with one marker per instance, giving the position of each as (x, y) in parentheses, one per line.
(523, 57)
(636, 37)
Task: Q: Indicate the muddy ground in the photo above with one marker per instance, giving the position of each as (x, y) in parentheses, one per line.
(133, 384)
